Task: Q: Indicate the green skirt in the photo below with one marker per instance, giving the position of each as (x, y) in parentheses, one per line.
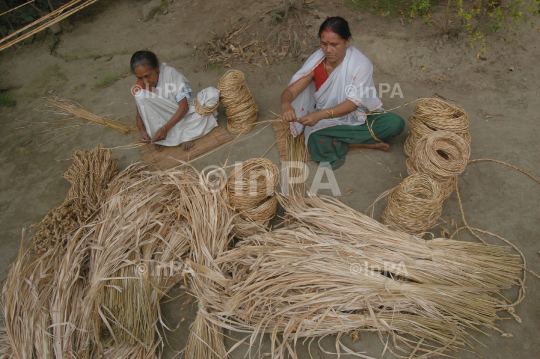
(331, 144)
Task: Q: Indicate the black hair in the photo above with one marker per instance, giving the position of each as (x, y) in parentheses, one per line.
(338, 25)
(144, 58)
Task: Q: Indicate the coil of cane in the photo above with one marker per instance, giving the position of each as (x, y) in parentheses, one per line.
(415, 205)
(447, 186)
(240, 106)
(441, 115)
(420, 129)
(251, 190)
(442, 154)
(204, 110)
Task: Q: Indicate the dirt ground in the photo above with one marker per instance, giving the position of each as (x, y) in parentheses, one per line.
(500, 95)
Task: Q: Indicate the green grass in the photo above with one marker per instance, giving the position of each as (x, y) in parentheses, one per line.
(7, 101)
(112, 78)
(108, 80)
(214, 66)
(393, 8)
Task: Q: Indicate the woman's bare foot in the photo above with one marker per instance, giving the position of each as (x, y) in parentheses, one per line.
(188, 145)
(374, 146)
(159, 148)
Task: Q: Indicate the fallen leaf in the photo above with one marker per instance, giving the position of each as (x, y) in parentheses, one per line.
(442, 78)
(260, 83)
(228, 65)
(496, 115)
(350, 191)
(26, 143)
(282, 53)
(50, 91)
(109, 59)
(432, 21)
(304, 42)
(423, 68)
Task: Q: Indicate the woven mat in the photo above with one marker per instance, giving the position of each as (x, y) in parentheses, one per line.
(280, 127)
(168, 158)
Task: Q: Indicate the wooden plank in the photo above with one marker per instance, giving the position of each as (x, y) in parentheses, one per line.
(280, 127)
(170, 156)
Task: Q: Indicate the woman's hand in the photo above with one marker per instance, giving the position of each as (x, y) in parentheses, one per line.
(310, 119)
(160, 135)
(288, 114)
(144, 136)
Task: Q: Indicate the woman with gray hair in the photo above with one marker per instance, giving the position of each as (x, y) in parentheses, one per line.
(165, 114)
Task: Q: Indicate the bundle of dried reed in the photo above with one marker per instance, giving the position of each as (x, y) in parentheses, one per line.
(239, 104)
(38, 277)
(89, 176)
(138, 241)
(209, 238)
(26, 303)
(433, 114)
(295, 159)
(441, 154)
(320, 277)
(415, 205)
(44, 22)
(250, 189)
(69, 107)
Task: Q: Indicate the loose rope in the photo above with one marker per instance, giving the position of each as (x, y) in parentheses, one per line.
(415, 205)
(240, 106)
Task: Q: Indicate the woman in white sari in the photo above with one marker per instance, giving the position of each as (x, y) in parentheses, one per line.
(165, 114)
(332, 99)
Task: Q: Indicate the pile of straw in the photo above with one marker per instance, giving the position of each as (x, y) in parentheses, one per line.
(239, 104)
(320, 277)
(415, 205)
(251, 188)
(38, 275)
(139, 241)
(69, 107)
(98, 294)
(89, 176)
(433, 114)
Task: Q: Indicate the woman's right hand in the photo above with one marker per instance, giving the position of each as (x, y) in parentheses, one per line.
(288, 114)
(144, 136)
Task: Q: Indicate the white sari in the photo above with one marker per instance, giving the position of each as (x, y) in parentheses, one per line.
(351, 80)
(157, 108)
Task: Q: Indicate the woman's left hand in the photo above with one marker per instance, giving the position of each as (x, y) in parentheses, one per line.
(310, 119)
(160, 135)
